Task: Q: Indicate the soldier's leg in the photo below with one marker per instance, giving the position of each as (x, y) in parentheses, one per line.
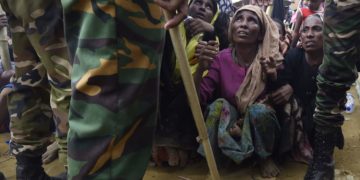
(47, 38)
(28, 106)
(33, 25)
(337, 73)
(116, 47)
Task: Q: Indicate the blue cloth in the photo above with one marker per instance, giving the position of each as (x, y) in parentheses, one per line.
(9, 85)
(260, 132)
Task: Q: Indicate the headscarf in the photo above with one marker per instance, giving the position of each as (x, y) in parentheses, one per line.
(255, 79)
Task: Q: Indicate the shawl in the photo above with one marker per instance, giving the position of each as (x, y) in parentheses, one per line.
(255, 79)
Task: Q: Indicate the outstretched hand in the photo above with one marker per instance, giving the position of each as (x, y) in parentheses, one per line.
(177, 9)
(269, 66)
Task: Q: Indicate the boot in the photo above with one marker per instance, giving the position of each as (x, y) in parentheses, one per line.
(30, 168)
(322, 165)
(2, 176)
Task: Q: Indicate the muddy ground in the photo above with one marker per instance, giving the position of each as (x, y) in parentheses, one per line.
(347, 161)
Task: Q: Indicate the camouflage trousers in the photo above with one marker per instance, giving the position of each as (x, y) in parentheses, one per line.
(338, 71)
(42, 85)
(116, 47)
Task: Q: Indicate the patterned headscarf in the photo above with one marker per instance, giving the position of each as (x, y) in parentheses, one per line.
(255, 79)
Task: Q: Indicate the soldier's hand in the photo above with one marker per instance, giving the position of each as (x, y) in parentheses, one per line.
(177, 8)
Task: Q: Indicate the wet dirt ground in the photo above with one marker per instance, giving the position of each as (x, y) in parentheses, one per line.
(347, 161)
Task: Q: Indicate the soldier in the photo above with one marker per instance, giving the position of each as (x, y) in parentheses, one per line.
(116, 47)
(336, 75)
(41, 82)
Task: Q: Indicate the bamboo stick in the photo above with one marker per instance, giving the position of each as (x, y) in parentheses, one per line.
(188, 81)
(4, 47)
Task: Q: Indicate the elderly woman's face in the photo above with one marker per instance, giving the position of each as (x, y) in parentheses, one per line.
(246, 28)
(202, 9)
(311, 34)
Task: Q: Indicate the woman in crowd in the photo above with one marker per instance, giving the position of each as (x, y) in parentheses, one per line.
(314, 6)
(240, 121)
(298, 88)
(285, 37)
(176, 133)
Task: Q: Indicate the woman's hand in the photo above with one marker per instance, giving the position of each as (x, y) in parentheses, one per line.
(282, 95)
(269, 66)
(206, 52)
(195, 26)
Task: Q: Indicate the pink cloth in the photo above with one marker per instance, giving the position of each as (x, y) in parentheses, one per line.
(223, 79)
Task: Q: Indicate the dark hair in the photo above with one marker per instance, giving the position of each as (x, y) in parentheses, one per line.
(215, 6)
(221, 26)
(281, 24)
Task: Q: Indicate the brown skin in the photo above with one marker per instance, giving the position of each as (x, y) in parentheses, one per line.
(201, 11)
(205, 52)
(312, 38)
(313, 5)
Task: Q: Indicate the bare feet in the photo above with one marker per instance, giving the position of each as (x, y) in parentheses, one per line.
(174, 159)
(184, 157)
(52, 153)
(268, 168)
(235, 130)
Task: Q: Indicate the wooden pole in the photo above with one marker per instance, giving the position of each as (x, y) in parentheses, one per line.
(188, 81)
(4, 47)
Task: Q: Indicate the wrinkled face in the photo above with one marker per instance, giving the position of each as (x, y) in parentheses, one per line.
(246, 28)
(202, 9)
(311, 34)
(315, 4)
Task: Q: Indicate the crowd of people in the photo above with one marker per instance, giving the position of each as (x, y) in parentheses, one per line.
(105, 78)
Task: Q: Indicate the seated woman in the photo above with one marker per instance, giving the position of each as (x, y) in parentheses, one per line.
(240, 121)
(297, 91)
(176, 133)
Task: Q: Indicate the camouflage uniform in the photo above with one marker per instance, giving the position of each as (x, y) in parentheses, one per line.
(338, 71)
(41, 82)
(336, 75)
(116, 47)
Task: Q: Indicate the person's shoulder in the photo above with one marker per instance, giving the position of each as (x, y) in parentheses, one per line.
(294, 54)
(225, 52)
(224, 55)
